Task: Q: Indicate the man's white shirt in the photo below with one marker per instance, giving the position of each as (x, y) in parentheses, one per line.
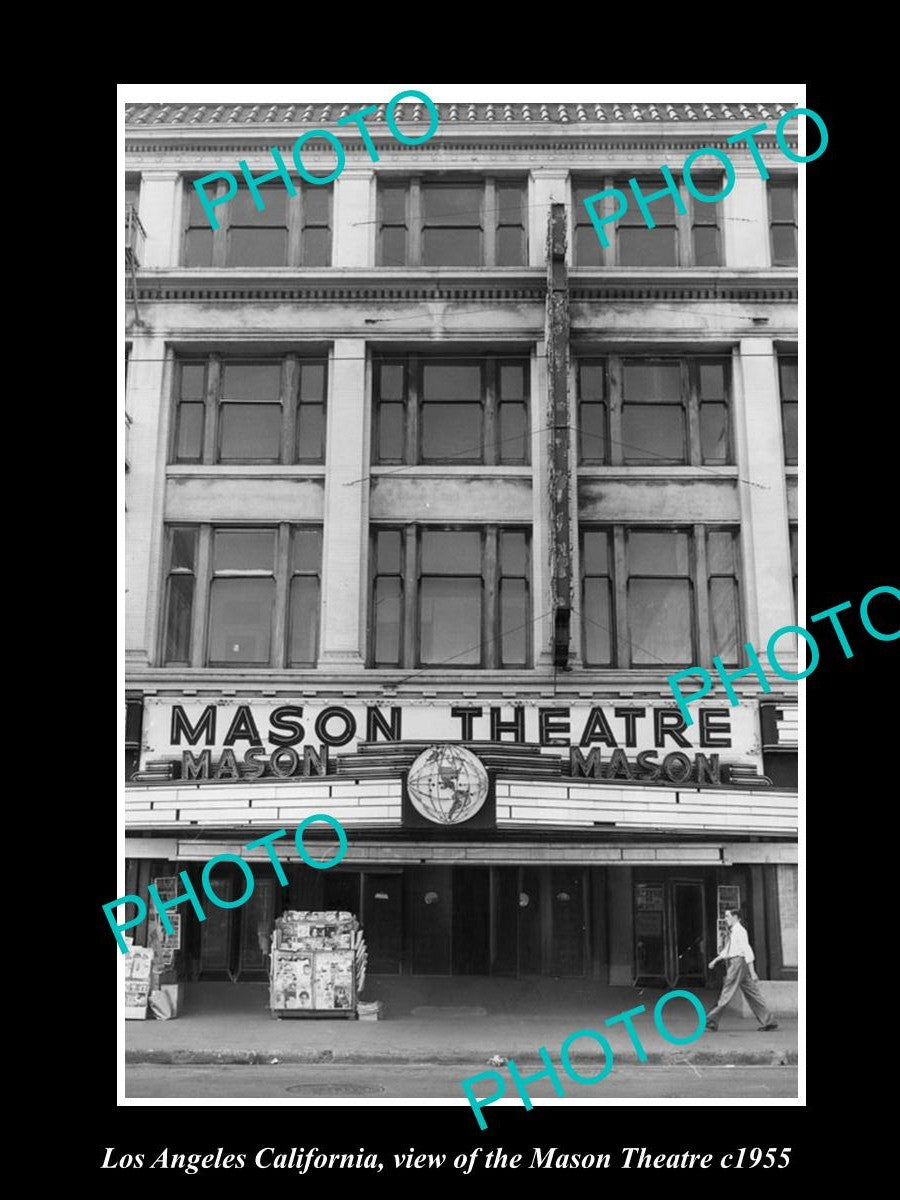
(739, 945)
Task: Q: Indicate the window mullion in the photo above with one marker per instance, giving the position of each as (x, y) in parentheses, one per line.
(683, 224)
(701, 591)
(413, 366)
(202, 581)
(414, 222)
(290, 371)
(295, 228)
(615, 382)
(611, 252)
(490, 400)
(211, 401)
(410, 649)
(489, 219)
(621, 650)
(279, 653)
(690, 392)
(490, 614)
(220, 235)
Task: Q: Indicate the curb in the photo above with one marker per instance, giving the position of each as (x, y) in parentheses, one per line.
(260, 1058)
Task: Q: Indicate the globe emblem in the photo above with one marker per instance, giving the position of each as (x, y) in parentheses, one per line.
(447, 784)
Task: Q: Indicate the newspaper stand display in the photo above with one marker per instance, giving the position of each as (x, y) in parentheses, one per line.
(317, 966)
(138, 968)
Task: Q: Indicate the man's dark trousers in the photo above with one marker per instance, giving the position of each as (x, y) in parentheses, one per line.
(737, 975)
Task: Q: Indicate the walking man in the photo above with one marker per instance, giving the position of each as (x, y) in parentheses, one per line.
(739, 973)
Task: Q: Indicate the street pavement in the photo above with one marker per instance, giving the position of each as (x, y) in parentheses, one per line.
(380, 1081)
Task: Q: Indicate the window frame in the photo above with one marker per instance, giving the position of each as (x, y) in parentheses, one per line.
(699, 577)
(490, 222)
(792, 182)
(784, 358)
(490, 366)
(691, 406)
(295, 224)
(289, 398)
(684, 223)
(411, 576)
(205, 576)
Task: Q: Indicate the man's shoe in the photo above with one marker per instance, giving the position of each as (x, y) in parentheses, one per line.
(766, 1028)
(712, 1028)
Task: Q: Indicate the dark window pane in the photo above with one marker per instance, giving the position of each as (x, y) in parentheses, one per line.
(198, 214)
(451, 552)
(510, 246)
(244, 550)
(257, 382)
(723, 611)
(304, 620)
(714, 433)
(250, 431)
(393, 247)
(189, 443)
(312, 381)
(593, 432)
(179, 608)
(451, 431)
(387, 552)
(451, 247)
(652, 433)
(704, 212)
(316, 248)
(510, 199)
(784, 246)
(450, 621)
(794, 557)
(193, 381)
(781, 199)
(242, 208)
(597, 622)
(592, 381)
(316, 205)
(513, 446)
(512, 381)
(720, 552)
(393, 204)
(306, 552)
(706, 246)
(514, 626)
(658, 553)
(513, 554)
(387, 620)
(452, 381)
(595, 548)
(588, 251)
(240, 620)
(310, 432)
(451, 204)
(390, 432)
(654, 383)
(640, 247)
(257, 248)
(789, 418)
(712, 381)
(198, 248)
(183, 550)
(662, 210)
(659, 621)
(390, 381)
(787, 368)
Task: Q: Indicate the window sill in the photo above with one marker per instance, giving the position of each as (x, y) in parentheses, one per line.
(453, 470)
(251, 470)
(679, 471)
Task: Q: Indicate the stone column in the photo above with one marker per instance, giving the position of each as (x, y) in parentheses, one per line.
(745, 221)
(159, 209)
(547, 187)
(353, 219)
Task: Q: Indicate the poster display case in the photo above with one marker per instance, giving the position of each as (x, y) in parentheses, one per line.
(317, 965)
(138, 969)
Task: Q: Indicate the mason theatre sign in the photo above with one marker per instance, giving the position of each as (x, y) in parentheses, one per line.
(642, 741)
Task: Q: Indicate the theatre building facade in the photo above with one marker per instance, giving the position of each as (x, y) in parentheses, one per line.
(428, 492)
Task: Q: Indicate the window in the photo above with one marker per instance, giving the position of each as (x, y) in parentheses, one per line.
(787, 382)
(465, 222)
(689, 239)
(292, 231)
(783, 221)
(678, 593)
(132, 191)
(250, 410)
(456, 410)
(667, 411)
(262, 593)
(793, 534)
(455, 597)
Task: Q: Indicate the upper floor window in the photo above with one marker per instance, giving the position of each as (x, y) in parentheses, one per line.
(793, 534)
(783, 221)
(676, 590)
(654, 410)
(292, 231)
(132, 191)
(241, 596)
(453, 597)
(470, 222)
(456, 410)
(787, 382)
(689, 239)
(250, 410)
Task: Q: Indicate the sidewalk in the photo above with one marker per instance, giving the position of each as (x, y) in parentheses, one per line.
(443, 1020)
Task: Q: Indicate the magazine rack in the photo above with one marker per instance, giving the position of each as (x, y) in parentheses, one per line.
(317, 965)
